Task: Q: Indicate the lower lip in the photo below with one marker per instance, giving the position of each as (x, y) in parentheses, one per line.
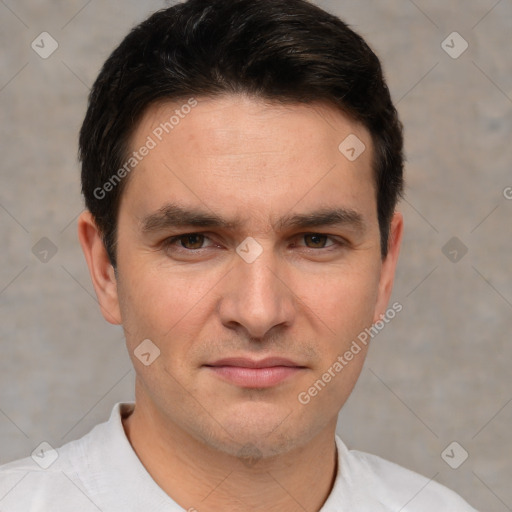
(255, 377)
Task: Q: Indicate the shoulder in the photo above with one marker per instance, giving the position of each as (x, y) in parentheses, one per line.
(26, 487)
(398, 487)
(56, 478)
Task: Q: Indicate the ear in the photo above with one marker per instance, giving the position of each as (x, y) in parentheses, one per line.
(387, 275)
(101, 270)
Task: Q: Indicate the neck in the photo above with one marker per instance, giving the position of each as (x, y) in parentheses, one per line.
(203, 479)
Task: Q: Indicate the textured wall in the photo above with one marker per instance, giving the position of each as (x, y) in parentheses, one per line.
(440, 372)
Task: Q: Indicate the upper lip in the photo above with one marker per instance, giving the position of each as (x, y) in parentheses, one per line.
(244, 362)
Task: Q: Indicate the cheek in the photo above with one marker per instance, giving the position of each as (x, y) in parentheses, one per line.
(155, 302)
(344, 300)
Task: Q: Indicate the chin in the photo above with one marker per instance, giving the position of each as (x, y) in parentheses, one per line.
(260, 436)
(253, 446)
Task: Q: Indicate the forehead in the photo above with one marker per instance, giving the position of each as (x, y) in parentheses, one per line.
(238, 151)
(230, 120)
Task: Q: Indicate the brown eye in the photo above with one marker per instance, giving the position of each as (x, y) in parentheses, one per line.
(315, 241)
(192, 241)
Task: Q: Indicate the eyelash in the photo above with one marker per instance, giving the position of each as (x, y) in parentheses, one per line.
(169, 242)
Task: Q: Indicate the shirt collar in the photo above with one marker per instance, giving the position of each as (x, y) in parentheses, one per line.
(116, 478)
(113, 464)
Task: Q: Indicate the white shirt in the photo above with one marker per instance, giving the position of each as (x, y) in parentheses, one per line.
(101, 472)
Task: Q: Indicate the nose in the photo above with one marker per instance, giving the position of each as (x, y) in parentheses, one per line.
(257, 297)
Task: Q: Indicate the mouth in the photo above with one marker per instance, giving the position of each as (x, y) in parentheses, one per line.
(251, 373)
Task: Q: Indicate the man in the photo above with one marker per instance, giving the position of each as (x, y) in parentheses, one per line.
(242, 162)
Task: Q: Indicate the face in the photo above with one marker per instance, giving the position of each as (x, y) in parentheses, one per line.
(249, 254)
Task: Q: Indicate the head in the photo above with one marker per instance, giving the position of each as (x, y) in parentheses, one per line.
(225, 121)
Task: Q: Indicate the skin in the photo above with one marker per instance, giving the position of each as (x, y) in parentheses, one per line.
(210, 444)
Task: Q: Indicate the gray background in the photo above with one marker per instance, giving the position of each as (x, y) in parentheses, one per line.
(440, 372)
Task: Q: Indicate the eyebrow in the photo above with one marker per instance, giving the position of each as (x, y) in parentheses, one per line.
(174, 216)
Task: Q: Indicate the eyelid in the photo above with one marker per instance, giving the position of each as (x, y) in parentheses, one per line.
(170, 241)
(337, 241)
